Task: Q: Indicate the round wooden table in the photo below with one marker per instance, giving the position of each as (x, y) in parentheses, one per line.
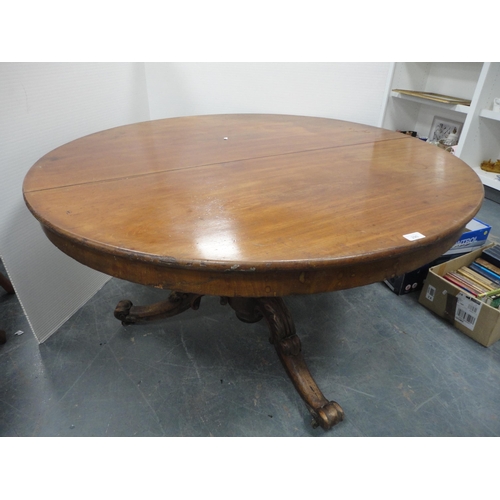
(252, 208)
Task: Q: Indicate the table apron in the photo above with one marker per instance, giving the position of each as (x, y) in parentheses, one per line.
(233, 283)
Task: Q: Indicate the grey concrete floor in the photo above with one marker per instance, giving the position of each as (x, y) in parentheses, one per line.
(396, 369)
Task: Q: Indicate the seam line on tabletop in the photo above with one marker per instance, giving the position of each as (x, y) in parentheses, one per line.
(203, 165)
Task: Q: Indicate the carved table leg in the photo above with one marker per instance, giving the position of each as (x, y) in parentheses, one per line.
(325, 413)
(176, 303)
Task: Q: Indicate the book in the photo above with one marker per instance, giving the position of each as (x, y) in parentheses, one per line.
(477, 278)
(488, 265)
(485, 272)
(455, 279)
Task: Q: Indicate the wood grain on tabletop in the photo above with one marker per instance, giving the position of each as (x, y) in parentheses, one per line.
(252, 205)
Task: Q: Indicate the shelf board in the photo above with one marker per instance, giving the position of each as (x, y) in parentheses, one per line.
(492, 115)
(488, 178)
(460, 108)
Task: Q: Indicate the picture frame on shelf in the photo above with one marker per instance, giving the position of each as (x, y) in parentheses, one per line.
(442, 127)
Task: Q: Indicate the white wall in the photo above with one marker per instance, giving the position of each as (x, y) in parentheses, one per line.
(43, 106)
(346, 91)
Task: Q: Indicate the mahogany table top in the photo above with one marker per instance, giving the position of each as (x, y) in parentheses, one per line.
(252, 205)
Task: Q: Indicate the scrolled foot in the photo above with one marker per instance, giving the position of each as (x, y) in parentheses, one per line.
(327, 416)
(122, 311)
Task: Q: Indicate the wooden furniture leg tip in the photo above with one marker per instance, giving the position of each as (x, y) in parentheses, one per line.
(122, 311)
(327, 416)
(3, 337)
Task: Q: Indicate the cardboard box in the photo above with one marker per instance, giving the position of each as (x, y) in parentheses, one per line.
(475, 236)
(476, 319)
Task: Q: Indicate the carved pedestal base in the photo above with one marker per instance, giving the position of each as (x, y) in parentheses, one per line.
(250, 310)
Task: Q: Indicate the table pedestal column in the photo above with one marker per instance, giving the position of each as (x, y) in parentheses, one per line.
(250, 310)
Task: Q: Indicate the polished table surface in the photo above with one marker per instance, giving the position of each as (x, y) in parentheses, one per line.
(252, 206)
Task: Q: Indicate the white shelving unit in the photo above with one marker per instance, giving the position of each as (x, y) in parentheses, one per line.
(476, 81)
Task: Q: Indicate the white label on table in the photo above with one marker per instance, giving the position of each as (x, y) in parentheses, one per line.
(413, 236)
(467, 311)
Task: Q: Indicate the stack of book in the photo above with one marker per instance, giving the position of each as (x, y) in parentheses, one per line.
(480, 279)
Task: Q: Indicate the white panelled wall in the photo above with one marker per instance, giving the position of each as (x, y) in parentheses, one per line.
(44, 105)
(345, 91)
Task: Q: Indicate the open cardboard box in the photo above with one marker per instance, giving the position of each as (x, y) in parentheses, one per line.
(476, 319)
